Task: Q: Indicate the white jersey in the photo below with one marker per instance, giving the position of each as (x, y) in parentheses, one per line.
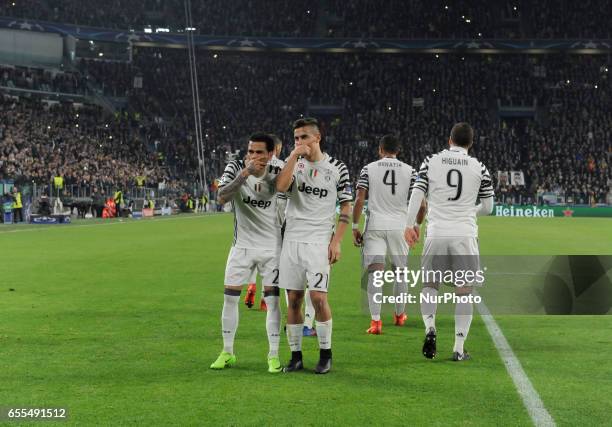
(275, 161)
(388, 182)
(281, 205)
(255, 208)
(311, 208)
(453, 181)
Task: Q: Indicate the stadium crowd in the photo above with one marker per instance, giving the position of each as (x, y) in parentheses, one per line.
(41, 141)
(561, 142)
(236, 17)
(336, 18)
(418, 97)
(43, 80)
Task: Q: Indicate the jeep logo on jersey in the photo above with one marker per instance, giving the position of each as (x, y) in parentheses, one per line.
(315, 191)
(257, 203)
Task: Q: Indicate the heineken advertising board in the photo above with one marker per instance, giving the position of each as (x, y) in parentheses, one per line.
(533, 211)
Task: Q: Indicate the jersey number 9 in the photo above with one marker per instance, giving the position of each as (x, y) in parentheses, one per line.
(458, 182)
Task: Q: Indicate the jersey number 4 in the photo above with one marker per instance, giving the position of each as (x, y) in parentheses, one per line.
(386, 181)
(454, 182)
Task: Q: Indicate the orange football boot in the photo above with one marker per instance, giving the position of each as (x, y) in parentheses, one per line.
(249, 298)
(375, 327)
(399, 319)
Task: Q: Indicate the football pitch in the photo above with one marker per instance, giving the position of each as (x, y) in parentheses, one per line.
(119, 321)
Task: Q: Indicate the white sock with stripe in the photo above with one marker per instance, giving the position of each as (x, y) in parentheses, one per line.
(463, 320)
(273, 321)
(428, 308)
(375, 307)
(229, 319)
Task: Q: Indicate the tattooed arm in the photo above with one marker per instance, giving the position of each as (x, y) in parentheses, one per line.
(229, 190)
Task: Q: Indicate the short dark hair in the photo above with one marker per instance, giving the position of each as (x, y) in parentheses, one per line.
(276, 139)
(390, 144)
(462, 134)
(263, 137)
(306, 121)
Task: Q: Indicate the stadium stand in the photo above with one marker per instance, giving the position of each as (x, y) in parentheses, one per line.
(545, 115)
(336, 18)
(418, 97)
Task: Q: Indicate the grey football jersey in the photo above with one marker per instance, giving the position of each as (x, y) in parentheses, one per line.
(453, 181)
(388, 182)
(311, 208)
(255, 208)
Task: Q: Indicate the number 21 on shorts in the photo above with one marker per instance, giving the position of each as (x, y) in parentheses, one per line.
(318, 281)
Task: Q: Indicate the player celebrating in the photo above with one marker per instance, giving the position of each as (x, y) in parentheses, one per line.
(386, 183)
(452, 181)
(249, 299)
(314, 182)
(251, 187)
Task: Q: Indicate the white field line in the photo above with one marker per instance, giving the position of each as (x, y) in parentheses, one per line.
(530, 397)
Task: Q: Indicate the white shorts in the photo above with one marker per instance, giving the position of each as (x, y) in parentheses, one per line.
(304, 266)
(453, 254)
(241, 264)
(380, 243)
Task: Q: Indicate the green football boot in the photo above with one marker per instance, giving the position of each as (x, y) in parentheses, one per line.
(225, 360)
(274, 365)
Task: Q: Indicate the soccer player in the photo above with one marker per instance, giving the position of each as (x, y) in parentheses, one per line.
(249, 299)
(386, 183)
(251, 187)
(314, 181)
(309, 312)
(453, 182)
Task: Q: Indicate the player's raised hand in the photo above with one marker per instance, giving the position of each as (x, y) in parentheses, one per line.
(333, 252)
(357, 238)
(301, 150)
(254, 165)
(412, 236)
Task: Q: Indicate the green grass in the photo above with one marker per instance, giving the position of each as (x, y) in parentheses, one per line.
(120, 322)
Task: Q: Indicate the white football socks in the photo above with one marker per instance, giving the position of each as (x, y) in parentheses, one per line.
(229, 319)
(374, 306)
(324, 334)
(309, 313)
(399, 289)
(273, 322)
(463, 319)
(294, 336)
(428, 308)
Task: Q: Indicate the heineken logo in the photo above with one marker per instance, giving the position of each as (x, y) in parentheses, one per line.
(527, 211)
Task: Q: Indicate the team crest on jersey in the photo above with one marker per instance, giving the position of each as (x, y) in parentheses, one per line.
(313, 173)
(258, 187)
(328, 177)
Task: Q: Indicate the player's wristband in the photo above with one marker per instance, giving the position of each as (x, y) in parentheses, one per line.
(355, 226)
